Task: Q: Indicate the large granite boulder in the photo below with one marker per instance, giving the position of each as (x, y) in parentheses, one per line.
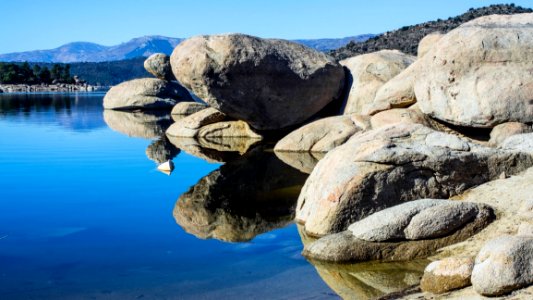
(368, 72)
(158, 64)
(268, 83)
(479, 74)
(145, 93)
(322, 135)
(392, 165)
(448, 274)
(503, 265)
(243, 198)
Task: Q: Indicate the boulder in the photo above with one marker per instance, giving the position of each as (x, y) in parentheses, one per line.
(209, 123)
(392, 165)
(519, 142)
(145, 93)
(147, 125)
(485, 81)
(503, 265)
(427, 42)
(322, 135)
(368, 72)
(447, 274)
(253, 194)
(268, 83)
(187, 108)
(398, 115)
(415, 220)
(501, 132)
(397, 92)
(158, 64)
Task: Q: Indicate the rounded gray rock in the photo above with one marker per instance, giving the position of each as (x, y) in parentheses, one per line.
(158, 64)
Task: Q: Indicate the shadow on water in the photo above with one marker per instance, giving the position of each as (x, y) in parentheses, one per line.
(80, 112)
(253, 194)
(368, 280)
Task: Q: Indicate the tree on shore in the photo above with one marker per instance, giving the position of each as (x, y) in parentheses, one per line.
(16, 73)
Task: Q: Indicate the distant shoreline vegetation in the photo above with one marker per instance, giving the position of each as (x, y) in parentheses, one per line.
(24, 73)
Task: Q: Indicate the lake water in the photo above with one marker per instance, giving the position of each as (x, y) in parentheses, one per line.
(84, 214)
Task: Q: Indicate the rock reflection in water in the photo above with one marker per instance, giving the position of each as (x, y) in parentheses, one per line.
(243, 198)
(367, 280)
(161, 150)
(138, 124)
(214, 149)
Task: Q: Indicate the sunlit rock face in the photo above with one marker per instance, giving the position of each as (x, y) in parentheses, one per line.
(243, 198)
(138, 124)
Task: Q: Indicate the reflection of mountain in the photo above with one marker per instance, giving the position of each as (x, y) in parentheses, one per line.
(367, 280)
(138, 124)
(243, 198)
(76, 112)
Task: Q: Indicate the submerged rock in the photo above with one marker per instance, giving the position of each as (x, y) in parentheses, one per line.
(368, 72)
(392, 165)
(145, 93)
(447, 274)
(243, 198)
(503, 265)
(280, 83)
(158, 64)
(484, 82)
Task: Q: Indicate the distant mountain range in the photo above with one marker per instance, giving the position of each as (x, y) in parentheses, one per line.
(139, 47)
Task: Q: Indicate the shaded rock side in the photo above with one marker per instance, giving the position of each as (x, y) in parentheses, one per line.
(392, 165)
(367, 73)
(479, 75)
(279, 83)
(145, 93)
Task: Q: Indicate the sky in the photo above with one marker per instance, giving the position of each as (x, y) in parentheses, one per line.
(34, 24)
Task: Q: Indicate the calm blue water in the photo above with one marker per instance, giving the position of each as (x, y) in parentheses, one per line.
(84, 214)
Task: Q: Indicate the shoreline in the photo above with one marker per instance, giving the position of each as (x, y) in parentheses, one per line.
(60, 87)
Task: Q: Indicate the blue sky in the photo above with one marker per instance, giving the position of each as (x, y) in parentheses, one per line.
(33, 24)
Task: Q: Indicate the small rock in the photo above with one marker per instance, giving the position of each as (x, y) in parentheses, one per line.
(447, 274)
(158, 64)
(501, 132)
(503, 265)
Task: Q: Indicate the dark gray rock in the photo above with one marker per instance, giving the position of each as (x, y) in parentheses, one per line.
(158, 64)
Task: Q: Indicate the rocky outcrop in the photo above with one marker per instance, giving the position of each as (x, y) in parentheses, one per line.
(158, 64)
(367, 73)
(428, 42)
(322, 135)
(146, 93)
(484, 82)
(187, 108)
(147, 125)
(447, 274)
(392, 165)
(209, 123)
(243, 198)
(416, 220)
(279, 83)
(503, 265)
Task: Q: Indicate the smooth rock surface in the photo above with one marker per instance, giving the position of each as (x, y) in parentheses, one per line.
(392, 165)
(503, 265)
(447, 274)
(428, 42)
(279, 83)
(501, 132)
(368, 72)
(145, 93)
(415, 220)
(187, 108)
(322, 135)
(398, 115)
(158, 64)
(479, 74)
